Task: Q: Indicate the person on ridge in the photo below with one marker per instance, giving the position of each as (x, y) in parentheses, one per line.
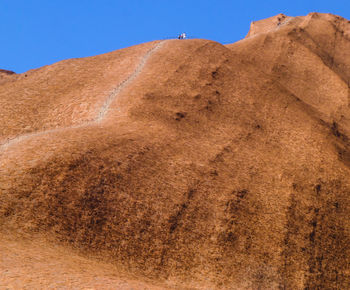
(182, 36)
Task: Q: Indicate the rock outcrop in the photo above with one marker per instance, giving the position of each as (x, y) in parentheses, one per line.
(6, 72)
(216, 166)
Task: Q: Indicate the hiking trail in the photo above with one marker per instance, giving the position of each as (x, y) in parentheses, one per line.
(103, 110)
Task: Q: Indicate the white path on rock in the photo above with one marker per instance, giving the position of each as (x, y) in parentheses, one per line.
(125, 83)
(103, 110)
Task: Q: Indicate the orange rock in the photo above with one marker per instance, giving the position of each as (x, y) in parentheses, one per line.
(194, 163)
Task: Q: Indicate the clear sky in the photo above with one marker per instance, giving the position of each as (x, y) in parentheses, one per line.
(40, 32)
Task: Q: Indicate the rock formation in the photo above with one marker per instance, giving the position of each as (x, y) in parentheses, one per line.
(211, 165)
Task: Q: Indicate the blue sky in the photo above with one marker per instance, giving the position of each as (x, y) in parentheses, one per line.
(40, 32)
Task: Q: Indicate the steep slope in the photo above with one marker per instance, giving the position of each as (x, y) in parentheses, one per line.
(67, 93)
(213, 166)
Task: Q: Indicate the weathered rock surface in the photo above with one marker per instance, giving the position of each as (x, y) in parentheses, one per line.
(212, 166)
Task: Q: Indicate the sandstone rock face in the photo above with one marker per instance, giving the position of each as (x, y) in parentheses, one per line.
(189, 161)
